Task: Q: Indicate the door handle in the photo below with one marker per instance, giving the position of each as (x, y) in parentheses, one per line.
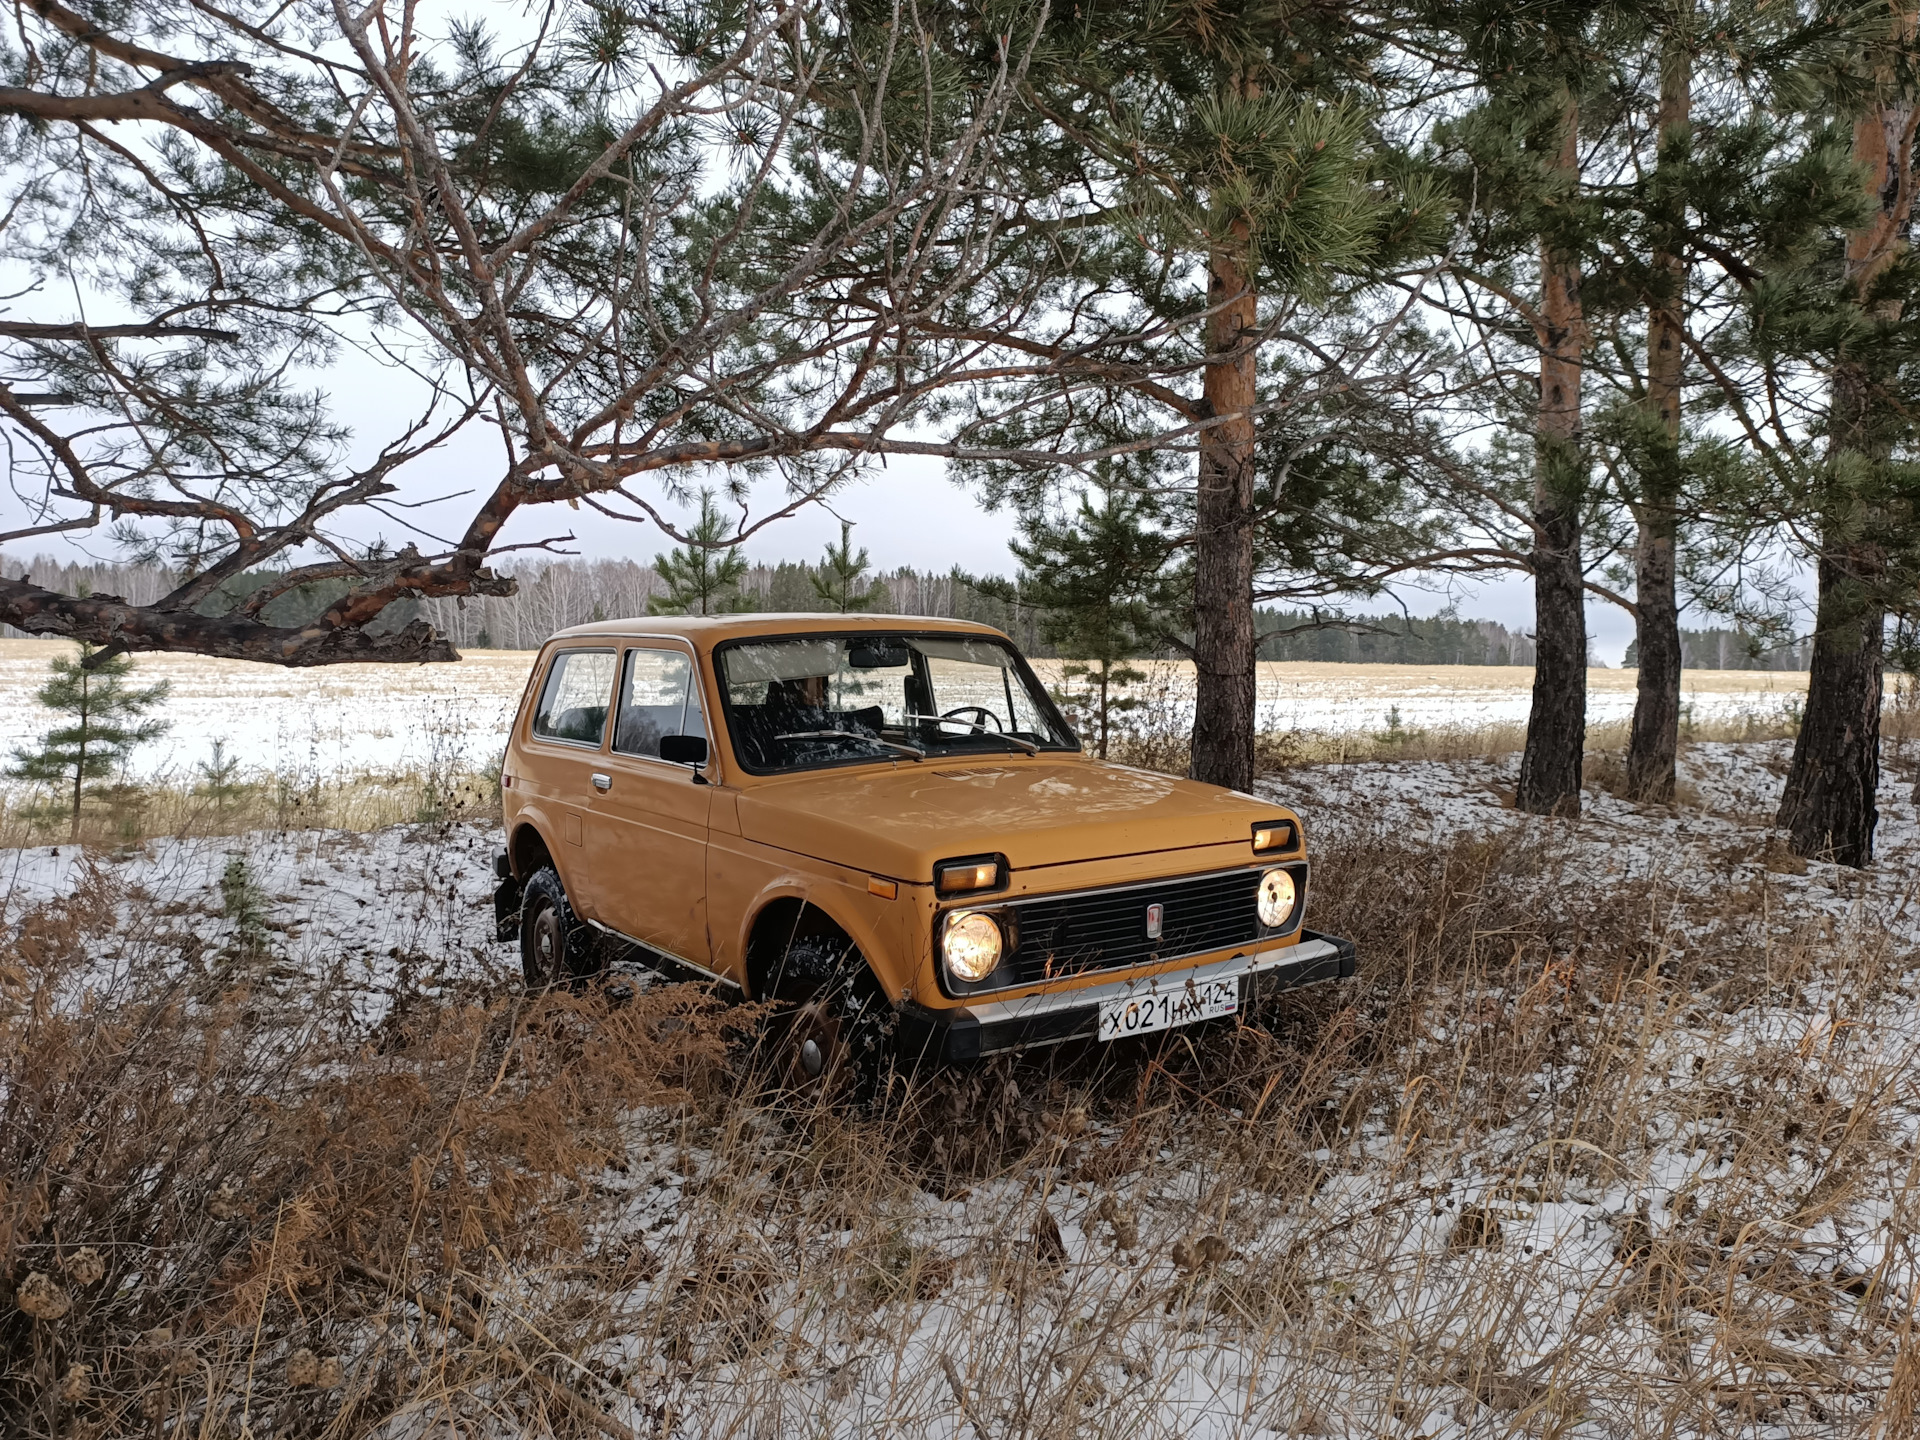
(603, 783)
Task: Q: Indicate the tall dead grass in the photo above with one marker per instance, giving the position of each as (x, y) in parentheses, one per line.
(1156, 737)
(1575, 1151)
(129, 812)
(225, 1210)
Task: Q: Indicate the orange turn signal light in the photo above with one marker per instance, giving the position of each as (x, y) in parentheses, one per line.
(885, 889)
(976, 872)
(1275, 835)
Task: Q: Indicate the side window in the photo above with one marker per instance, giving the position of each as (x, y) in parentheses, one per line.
(573, 702)
(658, 697)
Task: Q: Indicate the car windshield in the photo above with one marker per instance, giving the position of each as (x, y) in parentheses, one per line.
(805, 700)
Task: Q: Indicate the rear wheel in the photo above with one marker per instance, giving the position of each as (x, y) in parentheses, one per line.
(555, 948)
(833, 1033)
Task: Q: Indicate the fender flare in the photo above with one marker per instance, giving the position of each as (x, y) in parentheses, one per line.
(795, 887)
(531, 817)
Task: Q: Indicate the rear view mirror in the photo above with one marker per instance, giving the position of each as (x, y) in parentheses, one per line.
(683, 749)
(877, 655)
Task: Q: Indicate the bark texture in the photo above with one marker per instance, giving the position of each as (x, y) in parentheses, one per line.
(1557, 722)
(1827, 805)
(110, 622)
(1223, 647)
(1653, 739)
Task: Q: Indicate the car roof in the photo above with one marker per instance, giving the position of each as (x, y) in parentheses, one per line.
(708, 630)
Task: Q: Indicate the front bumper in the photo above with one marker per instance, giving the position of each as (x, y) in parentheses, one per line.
(988, 1027)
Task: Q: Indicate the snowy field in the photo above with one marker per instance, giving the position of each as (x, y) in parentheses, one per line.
(343, 718)
(1631, 1154)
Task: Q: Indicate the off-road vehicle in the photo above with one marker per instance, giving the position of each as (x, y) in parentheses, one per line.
(884, 821)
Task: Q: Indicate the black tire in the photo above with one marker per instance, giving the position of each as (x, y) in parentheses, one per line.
(832, 1036)
(555, 948)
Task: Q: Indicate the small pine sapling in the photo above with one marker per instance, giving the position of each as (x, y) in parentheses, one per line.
(839, 582)
(242, 903)
(1100, 580)
(703, 576)
(219, 780)
(104, 724)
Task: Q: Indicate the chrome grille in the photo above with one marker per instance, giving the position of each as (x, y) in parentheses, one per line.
(1107, 929)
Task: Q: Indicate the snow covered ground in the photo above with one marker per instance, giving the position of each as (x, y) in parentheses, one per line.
(364, 916)
(314, 723)
(1719, 838)
(1630, 1150)
(345, 718)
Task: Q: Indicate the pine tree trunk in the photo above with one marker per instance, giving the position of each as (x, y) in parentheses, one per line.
(1223, 543)
(1557, 723)
(1653, 739)
(1827, 805)
(1104, 667)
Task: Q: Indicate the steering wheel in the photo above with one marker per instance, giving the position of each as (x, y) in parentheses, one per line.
(977, 726)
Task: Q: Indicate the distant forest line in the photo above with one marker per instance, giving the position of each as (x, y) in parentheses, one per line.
(554, 594)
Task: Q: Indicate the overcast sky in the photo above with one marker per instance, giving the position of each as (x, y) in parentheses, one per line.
(907, 513)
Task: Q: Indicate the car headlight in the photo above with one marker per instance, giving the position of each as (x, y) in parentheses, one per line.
(970, 945)
(1276, 898)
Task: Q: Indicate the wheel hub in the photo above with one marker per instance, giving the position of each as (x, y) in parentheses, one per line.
(813, 1046)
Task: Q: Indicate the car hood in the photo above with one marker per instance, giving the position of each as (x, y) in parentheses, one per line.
(897, 821)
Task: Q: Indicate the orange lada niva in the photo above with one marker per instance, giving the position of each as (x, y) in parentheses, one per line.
(884, 822)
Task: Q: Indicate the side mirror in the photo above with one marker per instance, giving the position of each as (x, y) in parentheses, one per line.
(683, 749)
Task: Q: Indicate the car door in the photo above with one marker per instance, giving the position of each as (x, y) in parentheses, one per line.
(648, 823)
(565, 737)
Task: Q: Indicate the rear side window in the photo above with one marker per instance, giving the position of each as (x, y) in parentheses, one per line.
(658, 697)
(573, 702)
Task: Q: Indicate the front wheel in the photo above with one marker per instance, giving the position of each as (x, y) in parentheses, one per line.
(833, 1034)
(555, 948)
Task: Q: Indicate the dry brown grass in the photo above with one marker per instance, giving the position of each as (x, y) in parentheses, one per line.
(1155, 737)
(578, 1215)
(129, 813)
(226, 1207)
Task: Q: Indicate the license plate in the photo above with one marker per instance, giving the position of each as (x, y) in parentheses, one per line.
(1162, 1010)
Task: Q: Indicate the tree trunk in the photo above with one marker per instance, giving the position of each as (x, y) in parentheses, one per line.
(1105, 666)
(1827, 805)
(1223, 542)
(1653, 739)
(1557, 723)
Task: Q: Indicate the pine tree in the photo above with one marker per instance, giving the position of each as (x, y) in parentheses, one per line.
(1695, 214)
(836, 580)
(1828, 805)
(1653, 736)
(1535, 63)
(703, 576)
(1240, 183)
(104, 726)
(1100, 581)
(220, 778)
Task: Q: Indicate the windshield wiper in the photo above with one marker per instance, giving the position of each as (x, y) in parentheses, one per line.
(1026, 745)
(909, 750)
(985, 734)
